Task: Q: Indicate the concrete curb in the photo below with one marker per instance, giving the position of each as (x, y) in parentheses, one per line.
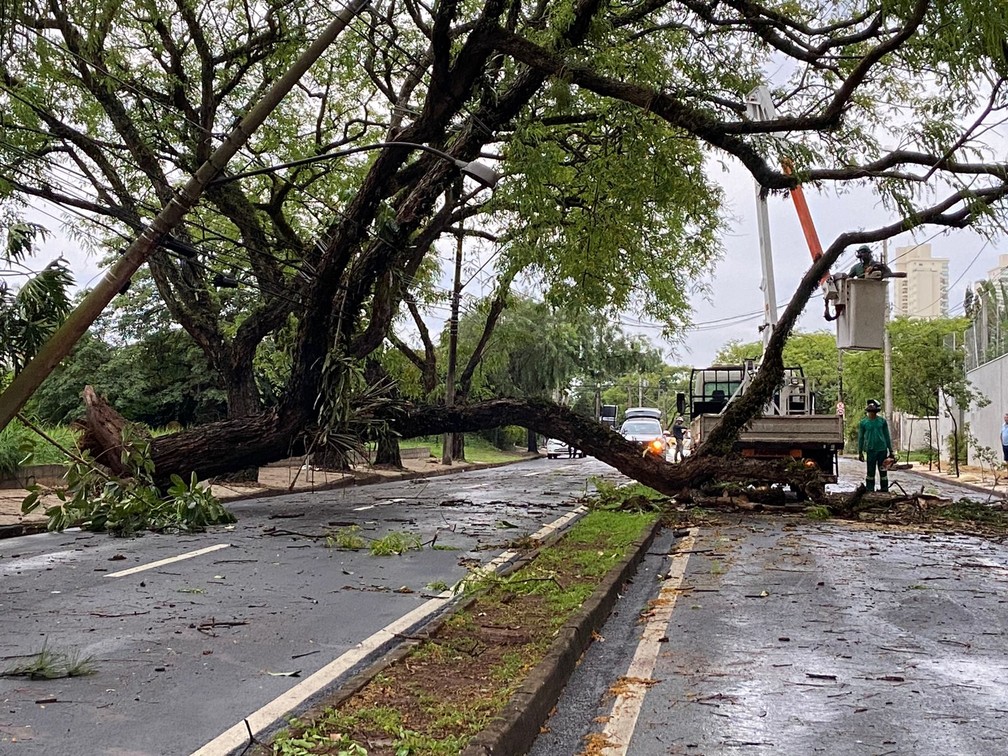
(518, 725)
(952, 480)
(22, 529)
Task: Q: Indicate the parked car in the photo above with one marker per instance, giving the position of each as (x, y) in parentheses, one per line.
(556, 447)
(643, 425)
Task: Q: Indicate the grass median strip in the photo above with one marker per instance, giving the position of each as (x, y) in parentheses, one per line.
(449, 687)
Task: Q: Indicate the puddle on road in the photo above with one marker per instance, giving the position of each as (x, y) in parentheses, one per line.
(40, 562)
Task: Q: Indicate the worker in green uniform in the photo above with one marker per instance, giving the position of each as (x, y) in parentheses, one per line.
(867, 266)
(865, 259)
(874, 442)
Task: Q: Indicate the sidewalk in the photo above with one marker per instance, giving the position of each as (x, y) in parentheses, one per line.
(970, 476)
(273, 481)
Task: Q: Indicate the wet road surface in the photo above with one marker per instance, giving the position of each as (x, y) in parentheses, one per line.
(184, 648)
(909, 482)
(803, 638)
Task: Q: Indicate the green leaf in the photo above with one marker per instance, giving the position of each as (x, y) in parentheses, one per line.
(30, 503)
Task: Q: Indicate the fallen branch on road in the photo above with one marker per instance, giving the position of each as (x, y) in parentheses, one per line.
(207, 628)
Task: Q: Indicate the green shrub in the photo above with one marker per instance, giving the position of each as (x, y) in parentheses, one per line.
(15, 446)
(21, 446)
(962, 437)
(99, 502)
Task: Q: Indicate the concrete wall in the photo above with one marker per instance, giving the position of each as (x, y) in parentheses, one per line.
(910, 431)
(991, 380)
(46, 475)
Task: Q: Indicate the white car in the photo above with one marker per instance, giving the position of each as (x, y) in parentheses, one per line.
(646, 431)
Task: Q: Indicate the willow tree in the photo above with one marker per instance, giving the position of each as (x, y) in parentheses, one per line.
(605, 118)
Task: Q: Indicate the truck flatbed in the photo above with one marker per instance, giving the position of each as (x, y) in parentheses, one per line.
(812, 437)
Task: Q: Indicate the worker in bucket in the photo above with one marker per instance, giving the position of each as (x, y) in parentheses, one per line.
(867, 266)
(875, 444)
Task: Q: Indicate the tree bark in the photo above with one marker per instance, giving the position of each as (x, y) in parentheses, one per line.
(531, 443)
(221, 447)
(458, 447)
(387, 451)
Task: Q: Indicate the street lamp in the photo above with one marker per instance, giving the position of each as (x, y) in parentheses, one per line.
(481, 172)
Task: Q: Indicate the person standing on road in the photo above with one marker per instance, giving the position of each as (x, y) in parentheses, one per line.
(874, 442)
(1004, 438)
(679, 434)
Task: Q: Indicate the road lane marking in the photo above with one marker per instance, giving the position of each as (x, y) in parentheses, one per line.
(623, 719)
(559, 523)
(169, 560)
(377, 503)
(257, 722)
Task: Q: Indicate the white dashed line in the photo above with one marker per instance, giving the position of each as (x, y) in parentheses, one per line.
(376, 504)
(169, 560)
(620, 726)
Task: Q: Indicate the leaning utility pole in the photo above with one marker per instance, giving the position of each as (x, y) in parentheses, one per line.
(77, 323)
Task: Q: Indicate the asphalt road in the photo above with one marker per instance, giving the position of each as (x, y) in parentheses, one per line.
(184, 650)
(906, 481)
(764, 636)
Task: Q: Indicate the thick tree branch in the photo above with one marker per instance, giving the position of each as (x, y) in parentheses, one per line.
(493, 315)
(771, 371)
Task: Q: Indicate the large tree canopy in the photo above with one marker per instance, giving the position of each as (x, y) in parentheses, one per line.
(603, 116)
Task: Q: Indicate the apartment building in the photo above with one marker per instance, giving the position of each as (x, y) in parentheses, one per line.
(999, 277)
(924, 292)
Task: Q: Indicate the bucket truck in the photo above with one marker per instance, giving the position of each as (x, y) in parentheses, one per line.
(789, 426)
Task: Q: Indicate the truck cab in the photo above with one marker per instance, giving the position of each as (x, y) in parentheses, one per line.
(712, 388)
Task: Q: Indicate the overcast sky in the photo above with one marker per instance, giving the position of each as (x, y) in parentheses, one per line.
(736, 281)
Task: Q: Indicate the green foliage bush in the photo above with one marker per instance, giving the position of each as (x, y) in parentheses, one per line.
(96, 501)
(963, 437)
(15, 445)
(20, 446)
(504, 438)
(160, 379)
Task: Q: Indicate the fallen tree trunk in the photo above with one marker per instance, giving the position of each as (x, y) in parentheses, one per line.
(222, 447)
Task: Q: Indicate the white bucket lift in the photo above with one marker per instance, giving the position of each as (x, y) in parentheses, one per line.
(860, 305)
